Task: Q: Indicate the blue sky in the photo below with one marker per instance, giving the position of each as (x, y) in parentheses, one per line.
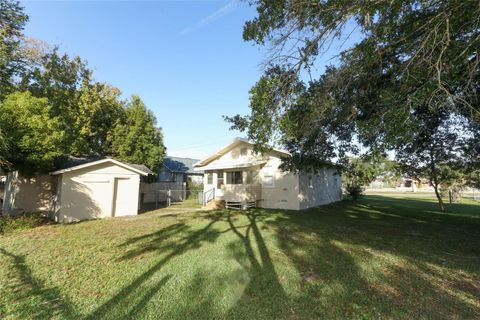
(186, 59)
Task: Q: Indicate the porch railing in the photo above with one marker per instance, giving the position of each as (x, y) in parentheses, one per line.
(206, 196)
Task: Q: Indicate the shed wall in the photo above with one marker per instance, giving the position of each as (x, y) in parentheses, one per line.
(88, 193)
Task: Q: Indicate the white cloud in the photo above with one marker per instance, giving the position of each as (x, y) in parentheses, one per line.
(226, 9)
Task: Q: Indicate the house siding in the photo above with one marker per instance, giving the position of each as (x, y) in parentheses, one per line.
(284, 192)
(326, 188)
(28, 194)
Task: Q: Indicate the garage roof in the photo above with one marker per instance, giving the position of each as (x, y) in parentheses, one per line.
(137, 168)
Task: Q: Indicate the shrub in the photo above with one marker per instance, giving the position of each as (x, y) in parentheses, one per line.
(24, 221)
(355, 191)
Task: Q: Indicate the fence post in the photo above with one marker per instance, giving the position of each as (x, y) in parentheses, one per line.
(169, 193)
(156, 199)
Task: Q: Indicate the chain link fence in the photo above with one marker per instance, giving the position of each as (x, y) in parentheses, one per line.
(156, 199)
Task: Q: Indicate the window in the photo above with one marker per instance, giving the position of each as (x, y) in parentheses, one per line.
(268, 180)
(243, 151)
(310, 182)
(235, 177)
(219, 179)
(210, 178)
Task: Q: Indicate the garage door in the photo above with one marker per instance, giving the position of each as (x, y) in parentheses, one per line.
(122, 199)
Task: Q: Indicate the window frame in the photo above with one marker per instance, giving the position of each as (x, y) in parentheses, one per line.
(220, 179)
(265, 175)
(233, 176)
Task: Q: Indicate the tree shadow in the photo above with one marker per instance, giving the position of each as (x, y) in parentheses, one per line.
(264, 289)
(419, 248)
(170, 242)
(31, 299)
(344, 260)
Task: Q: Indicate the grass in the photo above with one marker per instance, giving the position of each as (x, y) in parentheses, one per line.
(382, 257)
(188, 203)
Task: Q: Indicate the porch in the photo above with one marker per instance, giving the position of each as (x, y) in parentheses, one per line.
(238, 188)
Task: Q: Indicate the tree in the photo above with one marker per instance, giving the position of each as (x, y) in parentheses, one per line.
(412, 53)
(136, 138)
(434, 150)
(357, 174)
(99, 109)
(33, 136)
(60, 78)
(12, 21)
(414, 56)
(424, 48)
(3, 151)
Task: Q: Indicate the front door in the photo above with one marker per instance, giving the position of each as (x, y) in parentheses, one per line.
(219, 190)
(121, 197)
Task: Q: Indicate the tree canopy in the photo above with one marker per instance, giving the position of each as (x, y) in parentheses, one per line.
(414, 57)
(33, 137)
(71, 114)
(12, 21)
(136, 138)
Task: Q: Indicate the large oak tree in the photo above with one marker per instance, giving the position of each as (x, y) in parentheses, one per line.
(413, 56)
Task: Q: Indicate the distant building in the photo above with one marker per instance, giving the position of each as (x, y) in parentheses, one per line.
(176, 169)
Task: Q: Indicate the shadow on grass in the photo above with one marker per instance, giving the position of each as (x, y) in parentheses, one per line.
(131, 300)
(377, 257)
(32, 299)
(264, 292)
(425, 245)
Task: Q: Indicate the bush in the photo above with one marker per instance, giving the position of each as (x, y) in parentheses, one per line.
(355, 191)
(455, 191)
(24, 221)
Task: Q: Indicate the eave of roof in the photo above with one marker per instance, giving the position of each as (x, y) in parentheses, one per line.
(228, 147)
(135, 168)
(233, 165)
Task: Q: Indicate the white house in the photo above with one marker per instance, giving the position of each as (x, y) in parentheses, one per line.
(242, 178)
(95, 189)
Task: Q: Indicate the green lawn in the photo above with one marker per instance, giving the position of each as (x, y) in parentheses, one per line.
(380, 258)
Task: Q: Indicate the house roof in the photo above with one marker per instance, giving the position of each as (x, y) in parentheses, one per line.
(230, 146)
(73, 163)
(233, 165)
(180, 165)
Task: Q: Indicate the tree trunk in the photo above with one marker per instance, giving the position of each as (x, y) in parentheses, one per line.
(434, 181)
(439, 198)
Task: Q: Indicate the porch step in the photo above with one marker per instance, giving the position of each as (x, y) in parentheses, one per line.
(240, 205)
(215, 205)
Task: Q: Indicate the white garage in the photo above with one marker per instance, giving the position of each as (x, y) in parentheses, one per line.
(98, 189)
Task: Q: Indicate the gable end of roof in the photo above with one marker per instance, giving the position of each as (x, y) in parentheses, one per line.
(140, 169)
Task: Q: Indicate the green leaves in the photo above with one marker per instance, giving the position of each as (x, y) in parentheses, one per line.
(12, 21)
(414, 56)
(99, 109)
(50, 108)
(33, 136)
(136, 138)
